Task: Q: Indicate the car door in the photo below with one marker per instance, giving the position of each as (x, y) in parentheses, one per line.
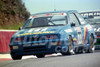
(78, 34)
(83, 27)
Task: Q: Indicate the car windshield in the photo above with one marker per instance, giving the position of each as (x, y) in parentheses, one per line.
(55, 20)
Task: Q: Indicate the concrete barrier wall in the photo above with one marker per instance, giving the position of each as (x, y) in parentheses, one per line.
(5, 36)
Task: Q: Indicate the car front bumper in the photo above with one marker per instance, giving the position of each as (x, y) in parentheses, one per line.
(38, 49)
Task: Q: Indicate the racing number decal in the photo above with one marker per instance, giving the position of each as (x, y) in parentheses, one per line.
(79, 35)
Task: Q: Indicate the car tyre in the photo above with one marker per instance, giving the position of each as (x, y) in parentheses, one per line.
(16, 57)
(70, 50)
(91, 46)
(40, 56)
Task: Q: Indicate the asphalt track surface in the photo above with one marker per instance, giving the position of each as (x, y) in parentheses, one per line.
(78, 60)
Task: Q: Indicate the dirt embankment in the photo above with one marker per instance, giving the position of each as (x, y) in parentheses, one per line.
(12, 12)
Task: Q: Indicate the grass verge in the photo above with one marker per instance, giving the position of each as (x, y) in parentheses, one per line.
(12, 27)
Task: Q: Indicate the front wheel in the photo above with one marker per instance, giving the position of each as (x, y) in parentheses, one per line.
(16, 57)
(70, 50)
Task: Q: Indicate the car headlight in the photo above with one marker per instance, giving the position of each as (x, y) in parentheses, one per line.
(19, 39)
(13, 47)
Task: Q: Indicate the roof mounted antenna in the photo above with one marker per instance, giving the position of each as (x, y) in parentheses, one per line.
(54, 6)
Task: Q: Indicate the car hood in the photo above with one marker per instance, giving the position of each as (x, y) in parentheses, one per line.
(41, 30)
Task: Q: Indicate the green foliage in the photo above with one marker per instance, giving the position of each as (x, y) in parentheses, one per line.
(12, 27)
(12, 12)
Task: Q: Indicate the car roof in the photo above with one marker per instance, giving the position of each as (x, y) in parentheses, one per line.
(68, 11)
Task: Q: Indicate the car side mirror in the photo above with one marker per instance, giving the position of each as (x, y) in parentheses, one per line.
(20, 28)
(72, 24)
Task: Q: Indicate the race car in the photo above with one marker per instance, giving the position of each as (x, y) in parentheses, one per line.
(63, 32)
(95, 23)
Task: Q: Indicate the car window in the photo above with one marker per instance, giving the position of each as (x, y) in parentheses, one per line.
(73, 19)
(81, 19)
(56, 20)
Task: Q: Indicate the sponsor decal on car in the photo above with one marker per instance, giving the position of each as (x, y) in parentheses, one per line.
(85, 34)
(74, 39)
(44, 15)
(36, 33)
(79, 35)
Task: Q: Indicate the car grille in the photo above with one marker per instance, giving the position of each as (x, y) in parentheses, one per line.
(34, 39)
(97, 33)
(35, 48)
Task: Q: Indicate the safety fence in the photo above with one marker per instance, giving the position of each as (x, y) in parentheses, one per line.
(5, 36)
